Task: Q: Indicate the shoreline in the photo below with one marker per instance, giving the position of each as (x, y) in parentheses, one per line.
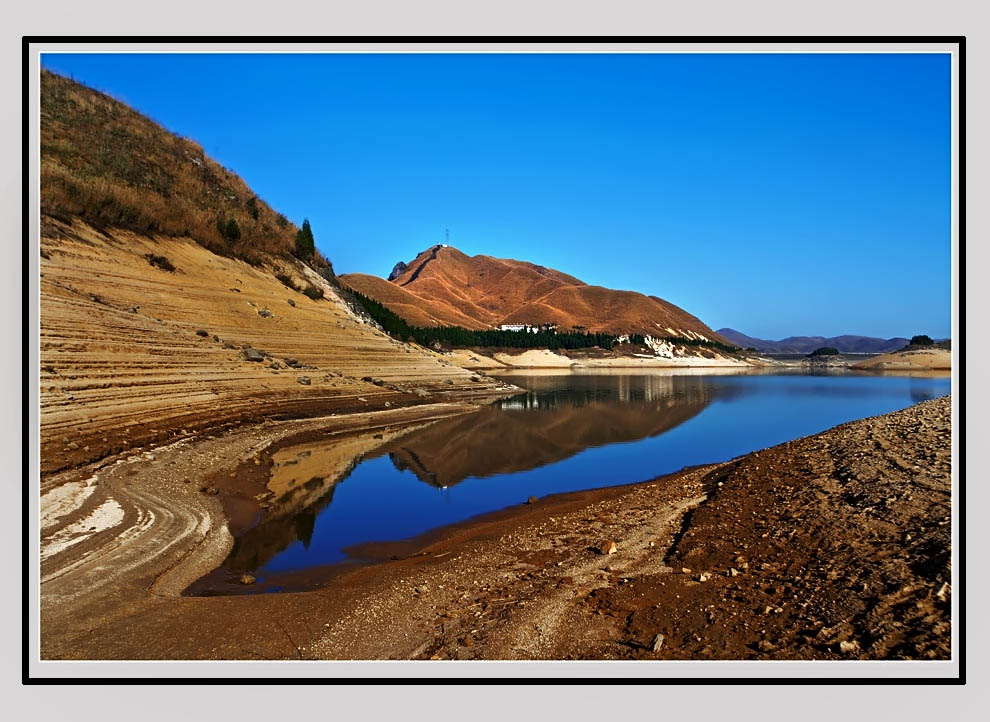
(495, 361)
(156, 498)
(471, 590)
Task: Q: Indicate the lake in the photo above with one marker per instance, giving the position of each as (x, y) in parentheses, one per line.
(569, 431)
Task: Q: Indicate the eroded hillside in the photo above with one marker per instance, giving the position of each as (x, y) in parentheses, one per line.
(174, 299)
(132, 353)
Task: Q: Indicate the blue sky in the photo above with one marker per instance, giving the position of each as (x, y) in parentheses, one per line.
(776, 194)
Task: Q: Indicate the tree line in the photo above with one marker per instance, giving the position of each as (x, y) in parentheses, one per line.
(456, 336)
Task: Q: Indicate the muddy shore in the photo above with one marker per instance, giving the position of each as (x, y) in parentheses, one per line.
(834, 546)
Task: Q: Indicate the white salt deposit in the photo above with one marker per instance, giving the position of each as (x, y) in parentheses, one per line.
(63, 499)
(106, 516)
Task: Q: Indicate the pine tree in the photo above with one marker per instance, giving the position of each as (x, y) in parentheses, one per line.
(305, 244)
(232, 232)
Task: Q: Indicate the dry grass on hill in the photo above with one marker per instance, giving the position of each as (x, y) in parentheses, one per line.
(112, 166)
(443, 286)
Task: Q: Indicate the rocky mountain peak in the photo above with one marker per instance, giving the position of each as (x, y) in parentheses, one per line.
(397, 270)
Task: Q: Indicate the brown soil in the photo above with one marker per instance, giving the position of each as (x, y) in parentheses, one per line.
(834, 546)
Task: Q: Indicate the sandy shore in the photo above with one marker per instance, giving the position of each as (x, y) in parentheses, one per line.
(719, 562)
(598, 359)
(935, 359)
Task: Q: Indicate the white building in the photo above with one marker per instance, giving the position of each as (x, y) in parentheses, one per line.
(518, 327)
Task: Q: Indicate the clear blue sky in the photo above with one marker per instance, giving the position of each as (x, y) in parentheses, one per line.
(776, 194)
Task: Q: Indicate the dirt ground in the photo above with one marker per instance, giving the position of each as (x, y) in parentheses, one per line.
(835, 546)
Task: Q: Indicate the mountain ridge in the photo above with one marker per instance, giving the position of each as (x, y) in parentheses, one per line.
(846, 343)
(444, 286)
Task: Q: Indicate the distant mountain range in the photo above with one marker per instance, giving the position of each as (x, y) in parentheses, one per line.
(807, 344)
(443, 286)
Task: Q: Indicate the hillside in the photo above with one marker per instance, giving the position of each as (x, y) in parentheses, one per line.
(154, 327)
(443, 286)
(807, 344)
(109, 165)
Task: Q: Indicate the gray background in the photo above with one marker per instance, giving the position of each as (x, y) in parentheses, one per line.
(466, 18)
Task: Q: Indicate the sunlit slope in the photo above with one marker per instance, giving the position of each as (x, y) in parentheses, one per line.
(121, 360)
(443, 286)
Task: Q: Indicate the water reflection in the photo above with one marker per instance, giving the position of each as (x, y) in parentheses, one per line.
(550, 423)
(921, 390)
(302, 482)
(568, 431)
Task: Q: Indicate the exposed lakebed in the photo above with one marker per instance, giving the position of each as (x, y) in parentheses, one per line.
(570, 431)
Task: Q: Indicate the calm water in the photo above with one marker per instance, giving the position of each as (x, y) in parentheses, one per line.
(568, 432)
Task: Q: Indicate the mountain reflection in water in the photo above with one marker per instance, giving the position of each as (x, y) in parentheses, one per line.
(549, 424)
(540, 427)
(569, 431)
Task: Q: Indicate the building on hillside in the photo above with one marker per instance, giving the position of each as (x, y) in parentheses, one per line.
(518, 327)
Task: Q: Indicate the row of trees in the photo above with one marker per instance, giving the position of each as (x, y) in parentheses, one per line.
(455, 336)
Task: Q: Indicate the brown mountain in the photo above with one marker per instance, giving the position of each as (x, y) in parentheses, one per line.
(443, 286)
